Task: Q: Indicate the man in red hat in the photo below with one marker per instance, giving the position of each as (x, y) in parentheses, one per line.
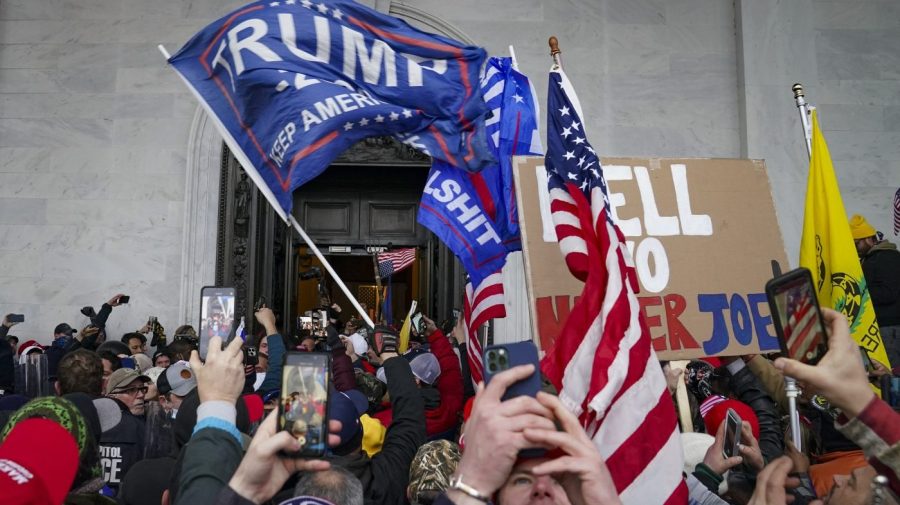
(27, 475)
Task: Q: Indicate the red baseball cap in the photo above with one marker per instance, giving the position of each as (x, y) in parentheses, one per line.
(27, 475)
(718, 410)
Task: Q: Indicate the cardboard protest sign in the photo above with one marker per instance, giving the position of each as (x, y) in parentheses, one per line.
(702, 233)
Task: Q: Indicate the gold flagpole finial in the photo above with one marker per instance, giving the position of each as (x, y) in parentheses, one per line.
(554, 51)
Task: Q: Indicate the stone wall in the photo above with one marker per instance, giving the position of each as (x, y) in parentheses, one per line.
(94, 129)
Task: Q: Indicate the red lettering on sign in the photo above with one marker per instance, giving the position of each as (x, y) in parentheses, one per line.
(659, 343)
(679, 336)
(550, 320)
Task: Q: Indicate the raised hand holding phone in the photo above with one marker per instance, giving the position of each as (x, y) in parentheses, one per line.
(840, 375)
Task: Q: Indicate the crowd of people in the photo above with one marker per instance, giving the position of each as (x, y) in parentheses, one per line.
(121, 423)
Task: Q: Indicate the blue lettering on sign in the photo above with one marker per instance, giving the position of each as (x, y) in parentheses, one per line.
(745, 320)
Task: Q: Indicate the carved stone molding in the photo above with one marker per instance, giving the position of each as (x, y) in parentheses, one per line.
(198, 245)
(382, 151)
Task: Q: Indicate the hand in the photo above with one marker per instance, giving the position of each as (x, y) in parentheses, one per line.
(222, 377)
(114, 301)
(581, 472)
(840, 375)
(266, 317)
(495, 432)
(7, 322)
(144, 329)
(715, 458)
(673, 376)
(749, 448)
(878, 369)
(88, 332)
(430, 327)
(800, 460)
(264, 470)
(772, 481)
(372, 357)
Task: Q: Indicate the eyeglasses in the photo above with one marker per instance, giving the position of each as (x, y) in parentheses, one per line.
(132, 391)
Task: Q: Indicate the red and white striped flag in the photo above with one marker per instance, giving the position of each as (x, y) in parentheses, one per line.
(481, 305)
(392, 262)
(897, 212)
(602, 362)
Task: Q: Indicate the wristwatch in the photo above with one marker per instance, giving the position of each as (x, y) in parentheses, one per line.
(457, 483)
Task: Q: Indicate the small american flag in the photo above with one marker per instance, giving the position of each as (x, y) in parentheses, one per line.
(602, 363)
(392, 262)
(481, 305)
(897, 212)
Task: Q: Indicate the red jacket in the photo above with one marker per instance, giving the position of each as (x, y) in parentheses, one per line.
(449, 384)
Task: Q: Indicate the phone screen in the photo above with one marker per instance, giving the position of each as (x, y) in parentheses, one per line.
(303, 405)
(216, 315)
(795, 312)
(417, 322)
(867, 362)
(732, 430)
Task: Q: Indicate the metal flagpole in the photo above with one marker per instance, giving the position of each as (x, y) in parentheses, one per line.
(261, 185)
(804, 109)
(790, 385)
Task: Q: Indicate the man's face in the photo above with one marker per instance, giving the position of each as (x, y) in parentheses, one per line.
(107, 371)
(162, 361)
(136, 346)
(523, 487)
(863, 245)
(174, 401)
(853, 489)
(133, 396)
(308, 344)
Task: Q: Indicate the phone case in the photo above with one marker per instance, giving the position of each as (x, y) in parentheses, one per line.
(303, 405)
(519, 353)
(780, 285)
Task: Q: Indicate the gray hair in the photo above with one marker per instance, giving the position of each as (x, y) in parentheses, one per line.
(336, 485)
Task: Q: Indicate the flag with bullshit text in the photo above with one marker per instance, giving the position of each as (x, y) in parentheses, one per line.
(291, 84)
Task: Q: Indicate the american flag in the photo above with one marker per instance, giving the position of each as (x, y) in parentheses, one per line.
(512, 130)
(897, 212)
(801, 331)
(481, 305)
(602, 363)
(392, 262)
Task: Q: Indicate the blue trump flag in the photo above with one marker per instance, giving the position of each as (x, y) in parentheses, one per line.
(474, 214)
(291, 84)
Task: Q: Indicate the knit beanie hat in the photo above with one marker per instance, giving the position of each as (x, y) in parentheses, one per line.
(860, 228)
(67, 415)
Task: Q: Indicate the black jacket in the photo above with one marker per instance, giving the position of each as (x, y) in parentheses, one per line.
(385, 476)
(7, 362)
(749, 390)
(121, 446)
(881, 266)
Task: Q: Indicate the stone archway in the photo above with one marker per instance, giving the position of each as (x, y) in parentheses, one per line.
(205, 163)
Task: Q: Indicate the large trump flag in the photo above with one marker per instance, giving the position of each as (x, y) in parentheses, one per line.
(291, 84)
(827, 250)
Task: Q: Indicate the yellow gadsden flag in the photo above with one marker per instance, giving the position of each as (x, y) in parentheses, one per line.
(827, 250)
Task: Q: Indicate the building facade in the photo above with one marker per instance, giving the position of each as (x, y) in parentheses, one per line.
(111, 179)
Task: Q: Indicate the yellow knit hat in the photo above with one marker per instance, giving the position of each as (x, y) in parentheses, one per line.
(373, 434)
(860, 228)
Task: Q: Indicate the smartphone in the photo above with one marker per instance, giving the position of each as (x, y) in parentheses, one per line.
(303, 405)
(418, 323)
(259, 304)
(732, 434)
(867, 362)
(798, 320)
(216, 315)
(15, 318)
(251, 355)
(124, 299)
(498, 358)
